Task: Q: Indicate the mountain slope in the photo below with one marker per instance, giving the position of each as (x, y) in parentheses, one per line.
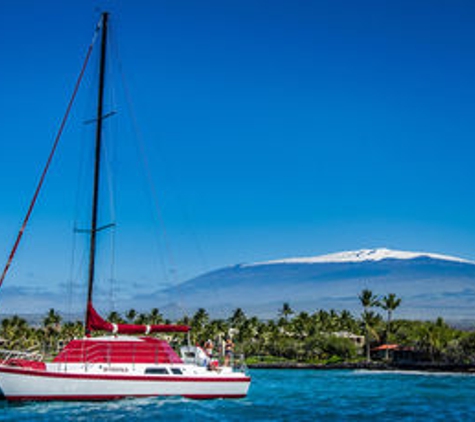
(429, 284)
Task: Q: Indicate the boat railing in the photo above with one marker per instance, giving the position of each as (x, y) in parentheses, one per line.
(11, 355)
(238, 362)
(98, 353)
(197, 356)
(107, 354)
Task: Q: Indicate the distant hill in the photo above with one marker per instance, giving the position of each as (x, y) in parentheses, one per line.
(430, 285)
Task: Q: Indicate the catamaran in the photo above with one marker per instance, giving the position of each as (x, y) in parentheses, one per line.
(120, 364)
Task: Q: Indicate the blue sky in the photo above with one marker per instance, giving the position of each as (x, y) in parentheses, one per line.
(272, 129)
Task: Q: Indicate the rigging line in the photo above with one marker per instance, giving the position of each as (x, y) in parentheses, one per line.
(50, 157)
(111, 191)
(153, 189)
(186, 214)
(78, 256)
(69, 287)
(173, 271)
(110, 149)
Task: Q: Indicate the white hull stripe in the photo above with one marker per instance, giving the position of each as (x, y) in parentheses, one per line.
(116, 377)
(21, 384)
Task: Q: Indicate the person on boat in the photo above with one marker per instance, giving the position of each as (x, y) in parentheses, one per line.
(208, 346)
(228, 352)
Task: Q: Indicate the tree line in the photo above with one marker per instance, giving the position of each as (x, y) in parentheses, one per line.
(324, 336)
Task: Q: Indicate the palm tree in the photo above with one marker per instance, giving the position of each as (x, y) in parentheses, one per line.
(370, 320)
(322, 320)
(334, 320)
(115, 318)
(247, 333)
(237, 319)
(389, 303)
(347, 322)
(52, 329)
(52, 320)
(368, 300)
(301, 325)
(286, 311)
(72, 330)
(198, 323)
(142, 319)
(434, 338)
(155, 317)
(15, 331)
(200, 318)
(130, 315)
(216, 331)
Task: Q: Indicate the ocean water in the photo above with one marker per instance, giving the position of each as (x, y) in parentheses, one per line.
(288, 395)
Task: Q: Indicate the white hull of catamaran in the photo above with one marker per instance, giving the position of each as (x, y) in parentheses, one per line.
(26, 384)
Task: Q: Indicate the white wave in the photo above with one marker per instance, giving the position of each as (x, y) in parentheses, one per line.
(411, 372)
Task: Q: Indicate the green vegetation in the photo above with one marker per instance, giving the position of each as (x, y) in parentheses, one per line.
(319, 337)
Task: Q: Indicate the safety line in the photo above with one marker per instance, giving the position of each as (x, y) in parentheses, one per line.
(50, 158)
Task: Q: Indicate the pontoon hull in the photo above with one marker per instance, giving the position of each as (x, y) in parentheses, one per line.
(24, 384)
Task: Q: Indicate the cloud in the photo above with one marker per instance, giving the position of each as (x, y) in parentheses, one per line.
(23, 299)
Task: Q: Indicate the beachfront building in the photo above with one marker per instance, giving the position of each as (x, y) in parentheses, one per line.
(358, 341)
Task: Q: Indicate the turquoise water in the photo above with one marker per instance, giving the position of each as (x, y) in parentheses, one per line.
(289, 395)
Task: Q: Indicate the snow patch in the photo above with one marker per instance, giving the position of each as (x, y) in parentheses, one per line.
(362, 255)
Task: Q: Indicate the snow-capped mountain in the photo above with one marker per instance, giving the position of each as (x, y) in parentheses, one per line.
(364, 255)
(430, 285)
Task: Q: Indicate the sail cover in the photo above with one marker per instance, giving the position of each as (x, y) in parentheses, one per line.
(96, 323)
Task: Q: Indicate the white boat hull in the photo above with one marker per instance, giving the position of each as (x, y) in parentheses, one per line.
(26, 384)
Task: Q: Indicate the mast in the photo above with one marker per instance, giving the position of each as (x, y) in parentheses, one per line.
(97, 166)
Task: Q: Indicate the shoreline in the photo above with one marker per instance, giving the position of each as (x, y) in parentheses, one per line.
(372, 366)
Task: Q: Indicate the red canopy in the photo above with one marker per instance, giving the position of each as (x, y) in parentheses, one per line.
(385, 347)
(95, 322)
